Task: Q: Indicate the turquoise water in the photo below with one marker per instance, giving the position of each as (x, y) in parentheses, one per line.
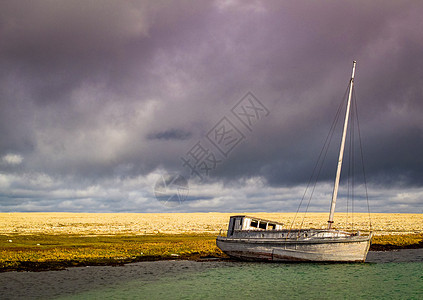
(236, 280)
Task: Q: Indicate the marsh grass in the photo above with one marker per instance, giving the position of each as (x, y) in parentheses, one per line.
(397, 241)
(55, 251)
(40, 241)
(45, 252)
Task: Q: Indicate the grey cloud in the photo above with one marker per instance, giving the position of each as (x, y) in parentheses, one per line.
(171, 134)
(99, 91)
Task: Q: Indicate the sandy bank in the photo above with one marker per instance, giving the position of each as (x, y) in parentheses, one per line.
(169, 223)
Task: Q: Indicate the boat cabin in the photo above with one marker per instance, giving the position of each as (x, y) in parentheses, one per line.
(251, 223)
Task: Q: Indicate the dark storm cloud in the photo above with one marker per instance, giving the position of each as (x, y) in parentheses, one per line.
(96, 91)
(171, 134)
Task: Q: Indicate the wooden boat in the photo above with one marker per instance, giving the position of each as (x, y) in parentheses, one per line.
(252, 238)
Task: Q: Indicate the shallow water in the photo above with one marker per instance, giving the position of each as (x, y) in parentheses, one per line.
(386, 275)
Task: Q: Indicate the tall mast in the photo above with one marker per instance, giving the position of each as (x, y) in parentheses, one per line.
(341, 151)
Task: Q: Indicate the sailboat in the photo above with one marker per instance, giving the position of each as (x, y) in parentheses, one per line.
(251, 238)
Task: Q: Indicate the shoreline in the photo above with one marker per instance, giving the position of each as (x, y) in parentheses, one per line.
(63, 265)
(157, 278)
(206, 251)
(43, 241)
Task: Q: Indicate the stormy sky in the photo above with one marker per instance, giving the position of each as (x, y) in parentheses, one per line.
(104, 105)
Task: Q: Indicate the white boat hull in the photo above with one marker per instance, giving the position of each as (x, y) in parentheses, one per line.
(350, 249)
(258, 239)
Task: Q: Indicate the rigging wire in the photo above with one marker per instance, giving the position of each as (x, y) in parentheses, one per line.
(354, 121)
(351, 177)
(350, 150)
(319, 163)
(362, 163)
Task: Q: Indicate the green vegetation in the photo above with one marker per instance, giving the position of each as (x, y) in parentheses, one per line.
(396, 241)
(46, 252)
(38, 252)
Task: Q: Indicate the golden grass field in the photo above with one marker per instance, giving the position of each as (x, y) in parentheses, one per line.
(40, 241)
(177, 223)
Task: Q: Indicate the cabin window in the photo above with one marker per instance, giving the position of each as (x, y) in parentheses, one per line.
(254, 223)
(271, 226)
(262, 225)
